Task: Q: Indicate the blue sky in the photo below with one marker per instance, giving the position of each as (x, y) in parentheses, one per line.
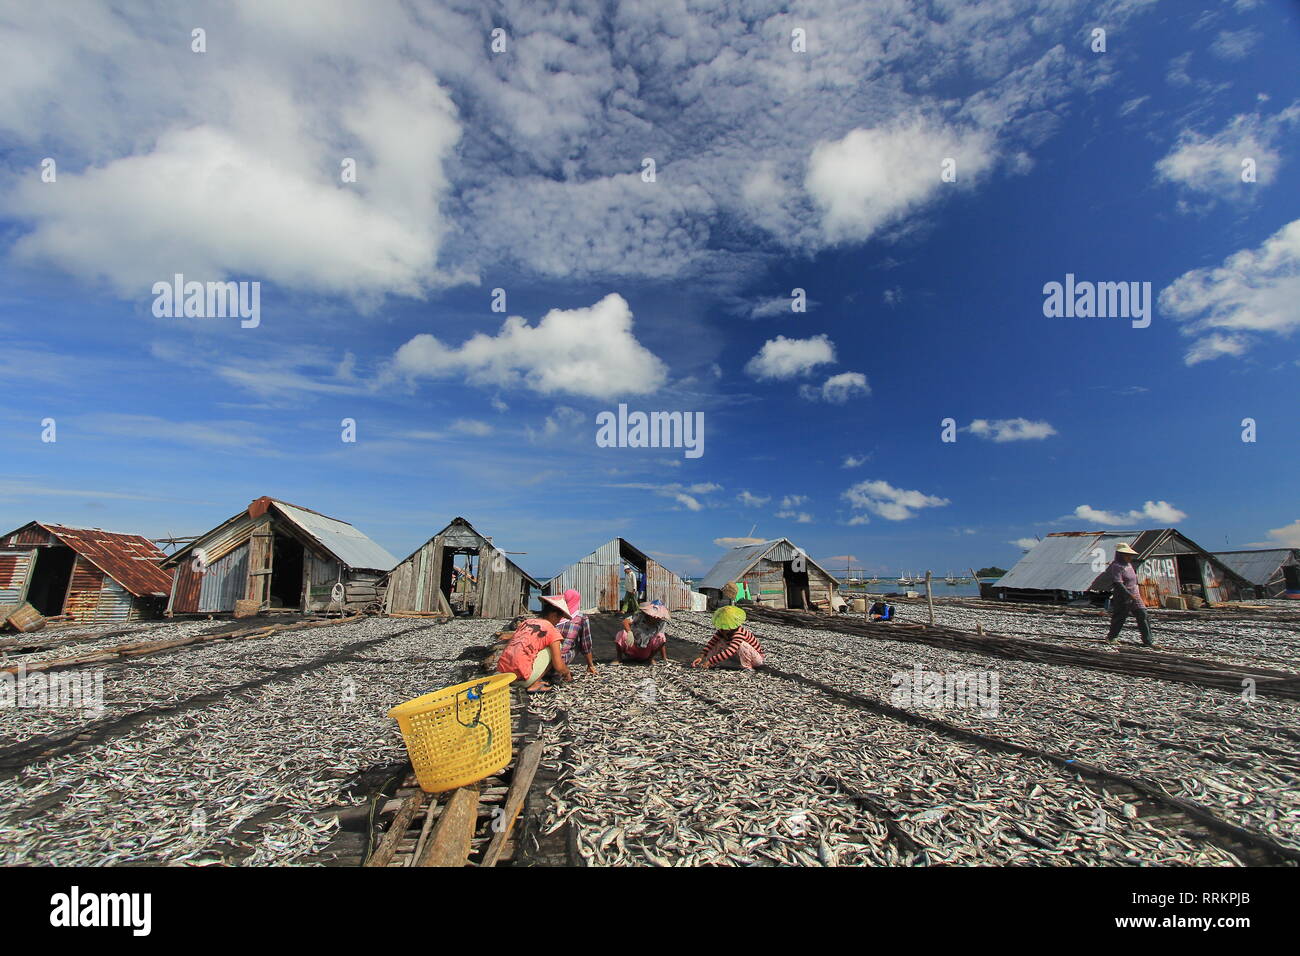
(774, 170)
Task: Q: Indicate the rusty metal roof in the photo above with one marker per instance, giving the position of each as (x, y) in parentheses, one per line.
(129, 559)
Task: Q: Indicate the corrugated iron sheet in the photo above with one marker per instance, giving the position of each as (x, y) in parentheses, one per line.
(596, 578)
(737, 562)
(1064, 562)
(87, 581)
(339, 538)
(186, 583)
(14, 566)
(224, 581)
(1257, 567)
(129, 559)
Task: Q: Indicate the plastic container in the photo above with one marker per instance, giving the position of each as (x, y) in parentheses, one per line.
(458, 735)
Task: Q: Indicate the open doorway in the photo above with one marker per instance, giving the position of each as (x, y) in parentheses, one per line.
(286, 573)
(48, 586)
(1189, 575)
(459, 580)
(796, 586)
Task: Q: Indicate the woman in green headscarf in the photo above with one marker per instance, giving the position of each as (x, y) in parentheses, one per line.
(731, 640)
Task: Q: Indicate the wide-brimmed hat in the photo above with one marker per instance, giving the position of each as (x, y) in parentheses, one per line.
(728, 618)
(656, 610)
(557, 602)
(1124, 549)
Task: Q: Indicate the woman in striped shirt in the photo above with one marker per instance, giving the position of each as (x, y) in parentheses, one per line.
(731, 639)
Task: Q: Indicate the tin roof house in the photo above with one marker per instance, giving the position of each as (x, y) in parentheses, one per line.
(1070, 565)
(277, 556)
(599, 575)
(1272, 572)
(779, 573)
(82, 575)
(459, 571)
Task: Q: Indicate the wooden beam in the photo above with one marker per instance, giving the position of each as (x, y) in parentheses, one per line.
(383, 855)
(449, 845)
(525, 769)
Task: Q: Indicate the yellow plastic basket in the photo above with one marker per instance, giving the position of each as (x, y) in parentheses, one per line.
(458, 735)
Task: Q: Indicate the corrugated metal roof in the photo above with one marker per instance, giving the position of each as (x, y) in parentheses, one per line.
(339, 538)
(1064, 562)
(735, 563)
(732, 565)
(129, 559)
(1259, 567)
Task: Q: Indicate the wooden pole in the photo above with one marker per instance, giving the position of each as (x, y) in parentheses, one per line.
(929, 596)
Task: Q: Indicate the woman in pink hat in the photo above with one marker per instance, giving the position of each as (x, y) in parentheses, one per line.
(533, 652)
(643, 634)
(576, 632)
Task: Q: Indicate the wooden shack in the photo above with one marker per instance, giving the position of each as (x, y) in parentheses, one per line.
(82, 575)
(459, 571)
(278, 556)
(598, 576)
(778, 573)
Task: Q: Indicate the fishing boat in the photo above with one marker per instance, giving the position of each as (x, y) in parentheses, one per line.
(950, 580)
(906, 581)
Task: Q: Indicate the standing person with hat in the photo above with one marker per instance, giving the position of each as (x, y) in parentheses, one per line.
(1125, 598)
(643, 634)
(576, 632)
(534, 651)
(731, 640)
(630, 588)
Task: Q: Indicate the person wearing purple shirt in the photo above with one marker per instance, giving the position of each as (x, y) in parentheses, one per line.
(1125, 598)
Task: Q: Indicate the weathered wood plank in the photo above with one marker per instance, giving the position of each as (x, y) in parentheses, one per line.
(449, 845)
(396, 830)
(525, 769)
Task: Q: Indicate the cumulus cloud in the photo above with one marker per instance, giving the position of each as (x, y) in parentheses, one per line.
(837, 389)
(801, 517)
(587, 351)
(1213, 164)
(894, 504)
(751, 500)
(793, 501)
(1287, 536)
(563, 420)
(1161, 512)
(1253, 291)
(872, 177)
(854, 461)
(688, 496)
(1024, 544)
(737, 542)
(1010, 429)
(782, 358)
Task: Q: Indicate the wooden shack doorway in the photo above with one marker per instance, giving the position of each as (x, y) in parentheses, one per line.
(286, 589)
(47, 588)
(459, 580)
(796, 586)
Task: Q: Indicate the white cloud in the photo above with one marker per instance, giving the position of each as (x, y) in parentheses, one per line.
(737, 542)
(873, 177)
(854, 461)
(837, 389)
(894, 504)
(1161, 512)
(793, 501)
(471, 426)
(1010, 429)
(688, 496)
(562, 419)
(1024, 544)
(587, 351)
(801, 517)
(1234, 44)
(1287, 536)
(782, 358)
(1255, 290)
(1213, 164)
(752, 501)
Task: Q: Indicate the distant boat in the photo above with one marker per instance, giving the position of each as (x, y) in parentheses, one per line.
(950, 580)
(906, 580)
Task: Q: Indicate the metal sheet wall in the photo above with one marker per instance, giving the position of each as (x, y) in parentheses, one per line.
(186, 583)
(14, 566)
(82, 602)
(224, 581)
